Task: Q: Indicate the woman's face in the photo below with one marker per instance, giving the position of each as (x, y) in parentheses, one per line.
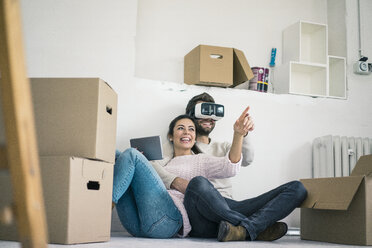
(183, 134)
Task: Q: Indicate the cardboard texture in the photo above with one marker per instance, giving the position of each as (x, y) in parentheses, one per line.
(339, 209)
(216, 66)
(75, 117)
(77, 195)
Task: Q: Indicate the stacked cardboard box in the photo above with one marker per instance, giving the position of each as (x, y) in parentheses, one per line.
(339, 209)
(76, 132)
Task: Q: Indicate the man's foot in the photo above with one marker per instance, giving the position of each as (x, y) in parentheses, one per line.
(229, 232)
(274, 232)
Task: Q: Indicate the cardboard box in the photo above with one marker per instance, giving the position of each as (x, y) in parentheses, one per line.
(216, 66)
(77, 195)
(75, 117)
(339, 209)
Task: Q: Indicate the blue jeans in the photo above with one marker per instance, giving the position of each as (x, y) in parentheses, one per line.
(206, 208)
(143, 204)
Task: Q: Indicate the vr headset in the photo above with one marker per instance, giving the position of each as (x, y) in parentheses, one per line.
(207, 110)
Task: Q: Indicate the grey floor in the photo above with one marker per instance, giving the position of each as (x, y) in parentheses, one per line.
(121, 239)
(124, 240)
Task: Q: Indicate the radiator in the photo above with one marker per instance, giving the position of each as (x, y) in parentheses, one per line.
(336, 156)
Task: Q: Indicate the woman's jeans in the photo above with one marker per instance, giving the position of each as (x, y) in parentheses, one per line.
(143, 204)
(206, 208)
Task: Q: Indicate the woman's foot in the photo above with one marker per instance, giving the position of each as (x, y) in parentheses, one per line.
(274, 232)
(229, 232)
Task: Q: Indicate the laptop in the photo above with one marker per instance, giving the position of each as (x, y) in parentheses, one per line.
(150, 146)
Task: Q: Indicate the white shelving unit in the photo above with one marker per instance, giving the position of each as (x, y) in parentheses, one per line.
(302, 79)
(337, 76)
(307, 69)
(305, 42)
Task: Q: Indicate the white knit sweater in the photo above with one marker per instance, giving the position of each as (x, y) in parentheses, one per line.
(190, 166)
(214, 148)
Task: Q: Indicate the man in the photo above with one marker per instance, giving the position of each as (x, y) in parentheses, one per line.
(206, 145)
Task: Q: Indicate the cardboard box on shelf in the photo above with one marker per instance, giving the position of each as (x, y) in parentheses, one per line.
(75, 117)
(77, 194)
(216, 66)
(339, 209)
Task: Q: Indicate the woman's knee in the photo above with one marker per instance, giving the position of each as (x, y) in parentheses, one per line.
(117, 154)
(131, 152)
(128, 155)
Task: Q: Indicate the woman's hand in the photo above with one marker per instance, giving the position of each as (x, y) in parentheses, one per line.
(243, 124)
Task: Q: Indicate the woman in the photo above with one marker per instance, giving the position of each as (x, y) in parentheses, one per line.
(143, 204)
(212, 215)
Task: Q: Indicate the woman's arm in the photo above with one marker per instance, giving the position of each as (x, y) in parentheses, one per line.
(218, 167)
(242, 126)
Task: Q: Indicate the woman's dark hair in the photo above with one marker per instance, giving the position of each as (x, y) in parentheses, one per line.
(195, 149)
(204, 97)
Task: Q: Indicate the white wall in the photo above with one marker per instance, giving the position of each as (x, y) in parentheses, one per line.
(167, 30)
(138, 48)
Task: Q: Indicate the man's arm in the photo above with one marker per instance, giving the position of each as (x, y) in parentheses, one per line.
(170, 180)
(165, 176)
(180, 184)
(247, 150)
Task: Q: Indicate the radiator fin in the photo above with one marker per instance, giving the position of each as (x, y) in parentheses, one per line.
(336, 156)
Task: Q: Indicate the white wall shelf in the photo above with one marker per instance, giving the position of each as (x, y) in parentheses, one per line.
(302, 79)
(305, 42)
(306, 67)
(337, 76)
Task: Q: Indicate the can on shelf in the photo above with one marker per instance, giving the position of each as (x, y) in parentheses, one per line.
(256, 83)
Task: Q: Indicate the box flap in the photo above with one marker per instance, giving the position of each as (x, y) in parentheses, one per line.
(330, 193)
(363, 166)
(92, 169)
(242, 70)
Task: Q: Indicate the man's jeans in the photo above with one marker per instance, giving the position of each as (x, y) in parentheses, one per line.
(143, 204)
(206, 208)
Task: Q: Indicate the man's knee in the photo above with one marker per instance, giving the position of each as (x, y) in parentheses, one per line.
(300, 190)
(199, 183)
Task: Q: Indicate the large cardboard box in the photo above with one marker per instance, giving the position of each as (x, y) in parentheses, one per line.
(75, 117)
(339, 209)
(77, 195)
(216, 66)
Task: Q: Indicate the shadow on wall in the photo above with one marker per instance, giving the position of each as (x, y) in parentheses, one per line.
(116, 225)
(299, 163)
(297, 166)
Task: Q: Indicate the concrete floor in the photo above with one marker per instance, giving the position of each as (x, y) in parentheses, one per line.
(124, 240)
(121, 239)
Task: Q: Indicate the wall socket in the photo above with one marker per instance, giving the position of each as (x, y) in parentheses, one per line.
(362, 67)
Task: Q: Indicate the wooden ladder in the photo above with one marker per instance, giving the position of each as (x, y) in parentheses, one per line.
(20, 154)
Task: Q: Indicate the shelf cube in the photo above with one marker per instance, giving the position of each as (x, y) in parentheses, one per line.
(337, 76)
(305, 42)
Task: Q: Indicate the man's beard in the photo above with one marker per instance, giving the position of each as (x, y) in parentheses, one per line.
(200, 130)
